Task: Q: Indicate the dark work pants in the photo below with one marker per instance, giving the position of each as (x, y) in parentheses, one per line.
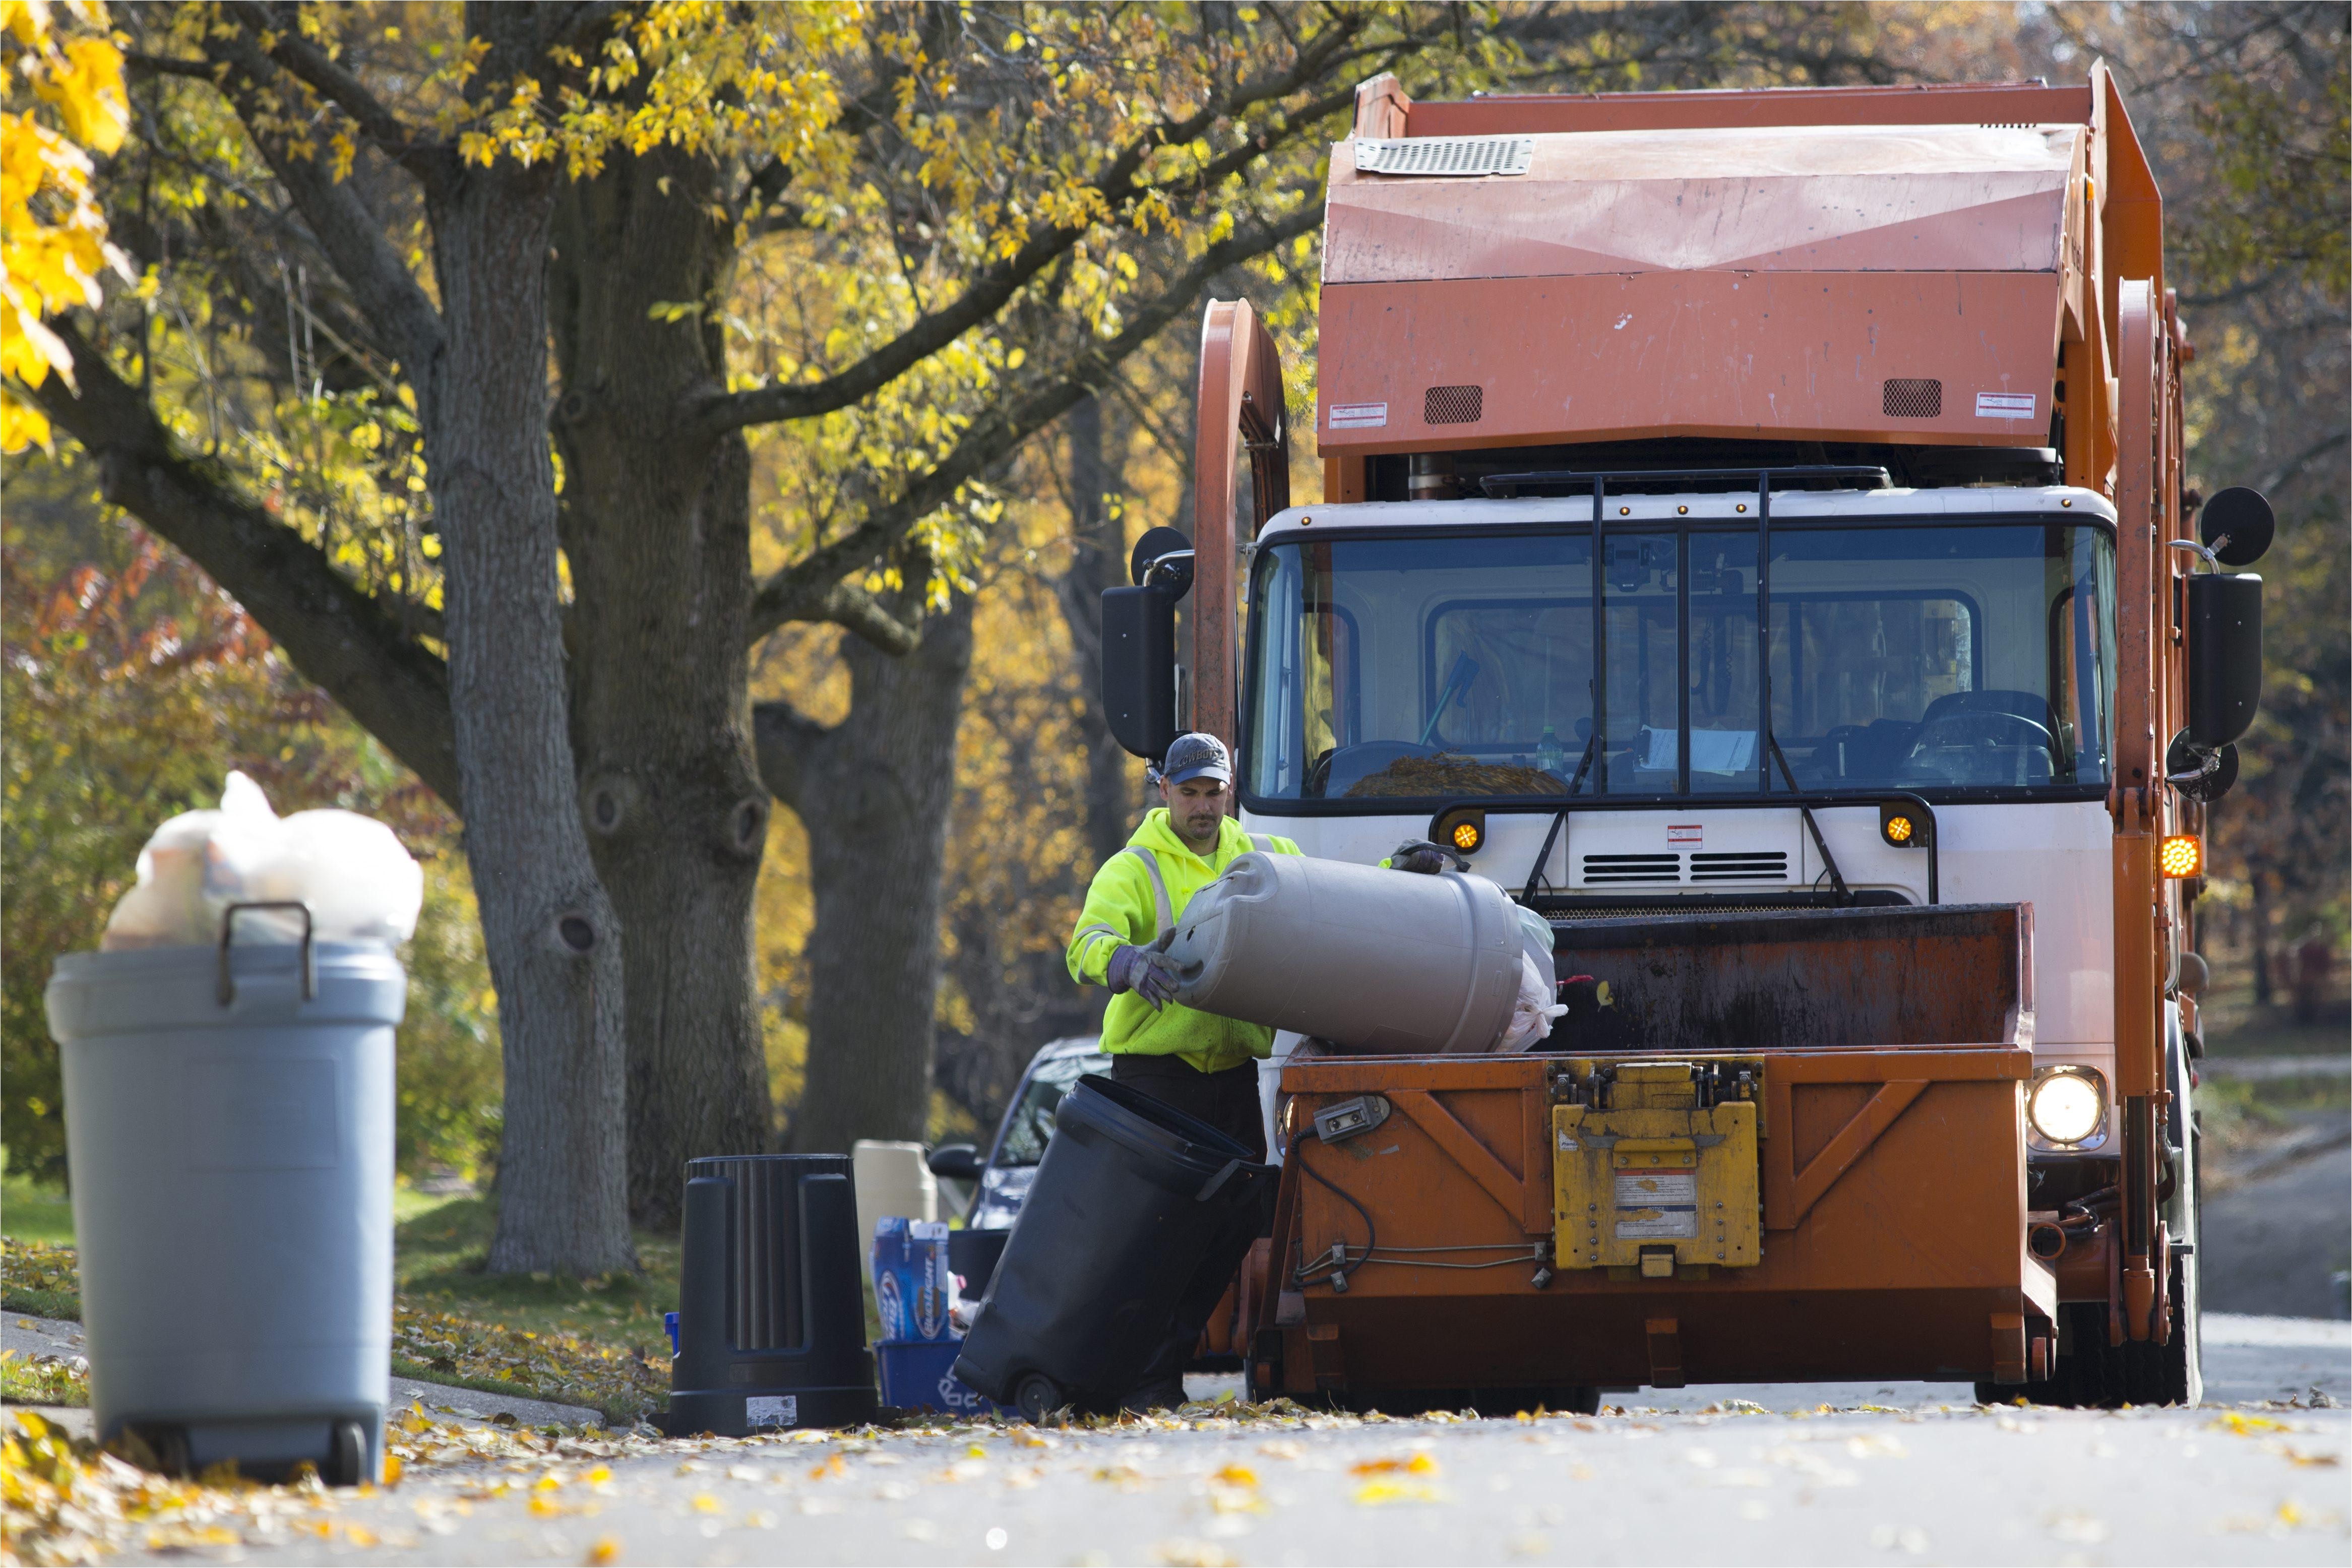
(1227, 1100)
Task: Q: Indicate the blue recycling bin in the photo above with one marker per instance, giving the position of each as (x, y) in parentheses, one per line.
(919, 1373)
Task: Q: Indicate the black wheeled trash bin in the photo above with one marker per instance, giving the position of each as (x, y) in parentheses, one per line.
(1133, 1227)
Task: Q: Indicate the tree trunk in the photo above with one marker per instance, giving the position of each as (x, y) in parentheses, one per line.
(657, 526)
(874, 791)
(551, 935)
(1097, 561)
(2260, 946)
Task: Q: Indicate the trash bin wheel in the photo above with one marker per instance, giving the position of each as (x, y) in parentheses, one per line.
(1037, 1396)
(170, 1446)
(347, 1455)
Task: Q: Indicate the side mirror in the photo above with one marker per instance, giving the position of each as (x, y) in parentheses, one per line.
(1139, 668)
(1162, 559)
(2199, 772)
(1139, 644)
(957, 1162)
(2237, 526)
(2225, 654)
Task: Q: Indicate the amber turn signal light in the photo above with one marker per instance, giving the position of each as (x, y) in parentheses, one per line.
(2181, 855)
(1462, 832)
(1899, 824)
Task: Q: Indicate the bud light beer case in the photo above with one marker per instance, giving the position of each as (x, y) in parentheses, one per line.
(913, 1289)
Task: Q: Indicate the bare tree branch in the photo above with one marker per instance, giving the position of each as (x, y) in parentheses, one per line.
(1119, 186)
(339, 86)
(799, 592)
(335, 634)
(382, 286)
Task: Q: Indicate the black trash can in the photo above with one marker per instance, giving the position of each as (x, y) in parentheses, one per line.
(1132, 1228)
(771, 1316)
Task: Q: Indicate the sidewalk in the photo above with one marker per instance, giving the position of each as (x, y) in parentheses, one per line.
(52, 1339)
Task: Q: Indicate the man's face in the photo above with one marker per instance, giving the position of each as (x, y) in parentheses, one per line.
(1196, 807)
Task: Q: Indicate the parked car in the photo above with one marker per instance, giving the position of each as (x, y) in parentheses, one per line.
(1002, 1177)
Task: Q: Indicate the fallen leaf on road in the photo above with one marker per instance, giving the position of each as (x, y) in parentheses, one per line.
(1421, 1464)
(2245, 1426)
(1236, 1476)
(604, 1552)
(1184, 1553)
(1372, 1494)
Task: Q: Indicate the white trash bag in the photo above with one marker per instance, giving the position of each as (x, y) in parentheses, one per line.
(1532, 1014)
(359, 885)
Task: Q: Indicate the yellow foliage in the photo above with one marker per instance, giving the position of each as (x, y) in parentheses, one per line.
(51, 230)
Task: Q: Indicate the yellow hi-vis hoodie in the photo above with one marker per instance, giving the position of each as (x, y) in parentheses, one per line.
(1124, 908)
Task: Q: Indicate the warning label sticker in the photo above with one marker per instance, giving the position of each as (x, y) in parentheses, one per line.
(2005, 405)
(1657, 1206)
(1358, 415)
(773, 1410)
(1657, 1224)
(1685, 832)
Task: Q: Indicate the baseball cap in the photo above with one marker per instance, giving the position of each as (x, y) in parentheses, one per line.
(1197, 756)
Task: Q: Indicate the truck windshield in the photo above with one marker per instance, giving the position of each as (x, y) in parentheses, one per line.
(1913, 656)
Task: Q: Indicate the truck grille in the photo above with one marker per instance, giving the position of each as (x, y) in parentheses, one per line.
(1911, 399)
(1599, 869)
(1453, 405)
(1740, 866)
(1446, 155)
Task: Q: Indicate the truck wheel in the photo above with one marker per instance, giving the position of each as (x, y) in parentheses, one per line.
(2096, 1375)
(1038, 1396)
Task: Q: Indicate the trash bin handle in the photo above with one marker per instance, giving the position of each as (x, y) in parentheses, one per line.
(226, 992)
(1208, 1188)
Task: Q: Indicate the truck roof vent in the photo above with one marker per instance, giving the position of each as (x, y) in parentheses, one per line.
(1912, 399)
(1453, 405)
(1740, 865)
(1446, 155)
(1631, 868)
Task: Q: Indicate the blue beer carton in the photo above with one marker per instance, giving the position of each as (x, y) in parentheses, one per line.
(912, 1287)
(920, 1374)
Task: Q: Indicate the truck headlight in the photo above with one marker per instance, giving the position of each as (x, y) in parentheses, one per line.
(2066, 1105)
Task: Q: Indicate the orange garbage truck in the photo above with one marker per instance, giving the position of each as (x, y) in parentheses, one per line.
(1753, 534)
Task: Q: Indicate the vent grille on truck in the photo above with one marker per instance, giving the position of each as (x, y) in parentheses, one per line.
(1911, 400)
(1761, 866)
(1600, 869)
(1453, 405)
(1446, 155)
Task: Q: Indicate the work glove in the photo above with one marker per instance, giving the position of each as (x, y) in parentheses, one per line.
(1149, 974)
(1418, 856)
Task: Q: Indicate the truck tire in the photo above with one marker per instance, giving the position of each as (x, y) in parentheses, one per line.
(2096, 1375)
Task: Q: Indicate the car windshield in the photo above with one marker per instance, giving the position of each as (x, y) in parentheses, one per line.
(1911, 656)
(1029, 1125)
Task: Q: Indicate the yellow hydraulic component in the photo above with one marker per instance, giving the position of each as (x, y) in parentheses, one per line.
(1653, 1183)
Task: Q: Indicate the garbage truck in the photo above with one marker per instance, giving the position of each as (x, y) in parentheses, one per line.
(1754, 534)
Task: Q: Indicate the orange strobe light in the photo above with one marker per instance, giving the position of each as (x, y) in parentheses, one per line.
(2181, 855)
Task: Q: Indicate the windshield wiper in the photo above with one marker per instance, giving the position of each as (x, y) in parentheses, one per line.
(1837, 879)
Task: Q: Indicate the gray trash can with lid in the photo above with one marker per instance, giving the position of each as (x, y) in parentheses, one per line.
(229, 1139)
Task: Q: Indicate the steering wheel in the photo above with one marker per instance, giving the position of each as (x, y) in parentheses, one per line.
(1972, 728)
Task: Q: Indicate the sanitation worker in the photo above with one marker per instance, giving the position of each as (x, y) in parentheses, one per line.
(1198, 1062)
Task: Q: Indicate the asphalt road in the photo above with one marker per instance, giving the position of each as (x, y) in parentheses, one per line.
(1893, 1473)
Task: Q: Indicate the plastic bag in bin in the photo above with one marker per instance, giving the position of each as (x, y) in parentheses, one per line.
(359, 885)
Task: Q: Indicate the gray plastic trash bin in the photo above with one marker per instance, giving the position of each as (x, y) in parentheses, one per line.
(231, 1164)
